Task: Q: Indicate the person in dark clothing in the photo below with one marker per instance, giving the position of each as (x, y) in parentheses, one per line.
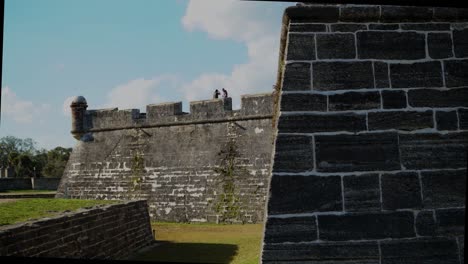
(216, 94)
(225, 94)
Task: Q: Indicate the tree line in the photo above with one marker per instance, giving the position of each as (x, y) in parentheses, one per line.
(28, 161)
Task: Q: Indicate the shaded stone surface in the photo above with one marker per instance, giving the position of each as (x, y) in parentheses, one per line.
(455, 73)
(341, 252)
(400, 191)
(390, 45)
(304, 194)
(354, 101)
(288, 148)
(301, 47)
(463, 118)
(381, 74)
(361, 193)
(342, 75)
(347, 27)
(434, 250)
(393, 99)
(364, 152)
(296, 77)
(335, 46)
(304, 102)
(308, 123)
(405, 13)
(425, 151)
(307, 28)
(444, 188)
(401, 120)
(425, 223)
(292, 229)
(447, 120)
(357, 226)
(450, 221)
(359, 13)
(439, 45)
(418, 74)
(438, 98)
(460, 43)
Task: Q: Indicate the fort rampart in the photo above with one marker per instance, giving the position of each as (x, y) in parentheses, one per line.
(211, 164)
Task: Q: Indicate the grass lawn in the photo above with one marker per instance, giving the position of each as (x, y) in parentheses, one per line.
(205, 243)
(27, 209)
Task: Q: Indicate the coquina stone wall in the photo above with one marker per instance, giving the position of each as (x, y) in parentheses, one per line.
(370, 156)
(211, 164)
(106, 232)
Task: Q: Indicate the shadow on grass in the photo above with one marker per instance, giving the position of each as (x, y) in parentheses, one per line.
(166, 251)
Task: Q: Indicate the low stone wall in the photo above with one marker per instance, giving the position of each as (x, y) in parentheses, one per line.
(106, 232)
(15, 184)
(27, 184)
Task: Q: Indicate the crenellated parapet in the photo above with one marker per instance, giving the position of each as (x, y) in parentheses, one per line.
(256, 106)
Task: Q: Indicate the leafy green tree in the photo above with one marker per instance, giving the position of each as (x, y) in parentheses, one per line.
(10, 144)
(56, 161)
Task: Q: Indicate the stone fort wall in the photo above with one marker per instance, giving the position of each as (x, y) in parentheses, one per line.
(207, 165)
(370, 157)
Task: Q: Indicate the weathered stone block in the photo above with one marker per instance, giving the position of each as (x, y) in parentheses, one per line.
(405, 14)
(460, 43)
(301, 47)
(426, 27)
(393, 99)
(341, 252)
(391, 45)
(304, 102)
(364, 152)
(335, 46)
(439, 45)
(304, 194)
(359, 13)
(288, 149)
(456, 73)
(381, 74)
(419, 74)
(342, 75)
(361, 193)
(425, 223)
(354, 101)
(400, 191)
(447, 120)
(347, 27)
(463, 118)
(401, 120)
(357, 226)
(322, 14)
(450, 14)
(438, 151)
(384, 26)
(434, 250)
(444, 188)
(450, 221)
(309, 123)
(438, 98)
(296, 77)
(307, 28)
(291, 229)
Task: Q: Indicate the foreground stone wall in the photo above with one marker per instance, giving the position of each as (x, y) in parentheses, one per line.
(176, 160)
(371, 149)
(106, 232)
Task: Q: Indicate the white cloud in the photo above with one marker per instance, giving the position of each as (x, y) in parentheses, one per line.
(254, 25)
(20, 110)
(140, 92)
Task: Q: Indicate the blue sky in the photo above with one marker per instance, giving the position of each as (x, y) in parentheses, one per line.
(129, 53)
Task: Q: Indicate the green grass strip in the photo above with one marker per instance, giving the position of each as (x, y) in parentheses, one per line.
(28, 209)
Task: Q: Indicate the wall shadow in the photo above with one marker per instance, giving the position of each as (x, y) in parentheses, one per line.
(167, 251)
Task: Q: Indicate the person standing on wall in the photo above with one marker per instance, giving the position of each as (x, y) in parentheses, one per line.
(216, 94)
(225, 94)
